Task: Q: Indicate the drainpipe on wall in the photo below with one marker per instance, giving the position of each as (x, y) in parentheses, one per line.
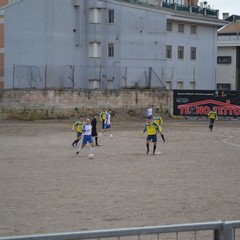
(76, 30)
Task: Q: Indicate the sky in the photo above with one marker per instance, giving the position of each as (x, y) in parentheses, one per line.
(230, 6)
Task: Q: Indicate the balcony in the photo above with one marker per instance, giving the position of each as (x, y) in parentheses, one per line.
(202, 11)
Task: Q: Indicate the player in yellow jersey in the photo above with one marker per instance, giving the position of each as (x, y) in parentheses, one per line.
(158, 120)
(151, 128)
(102, 117)
(77, 126)
(212, 116)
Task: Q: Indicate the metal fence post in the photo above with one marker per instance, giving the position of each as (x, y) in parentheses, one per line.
(13, 76)
(218, 234)
(150, 77)
(227, 231)
(45, 76)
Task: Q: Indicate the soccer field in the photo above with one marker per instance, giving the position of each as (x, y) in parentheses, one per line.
(46, 187)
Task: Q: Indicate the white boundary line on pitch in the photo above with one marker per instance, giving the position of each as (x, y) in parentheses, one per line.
(229, 143)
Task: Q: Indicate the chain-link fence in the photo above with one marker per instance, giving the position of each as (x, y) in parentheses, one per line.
(72, 77)
(104, 77)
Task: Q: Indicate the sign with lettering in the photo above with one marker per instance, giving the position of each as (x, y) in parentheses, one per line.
(199, 103)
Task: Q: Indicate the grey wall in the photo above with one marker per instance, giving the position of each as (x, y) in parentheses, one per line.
(37, 104)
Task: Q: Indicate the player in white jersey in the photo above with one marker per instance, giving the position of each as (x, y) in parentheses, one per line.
(87, 136)
(107, 124)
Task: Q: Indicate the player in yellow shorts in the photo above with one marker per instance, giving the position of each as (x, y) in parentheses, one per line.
(151, 128)
(158, 120)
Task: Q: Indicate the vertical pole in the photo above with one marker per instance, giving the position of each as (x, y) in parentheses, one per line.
(218, 234)
(100, 76)
(73, 77)
(227, 231)
(150, 77)
(46, 76)
(125, 78)
(163, 79)
(13, 76)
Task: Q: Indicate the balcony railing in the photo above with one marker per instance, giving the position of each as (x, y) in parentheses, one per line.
(191, 9)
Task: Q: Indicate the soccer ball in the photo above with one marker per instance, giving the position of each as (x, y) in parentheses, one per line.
(91, 156)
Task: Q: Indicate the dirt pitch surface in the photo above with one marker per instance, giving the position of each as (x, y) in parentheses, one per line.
(47, 188)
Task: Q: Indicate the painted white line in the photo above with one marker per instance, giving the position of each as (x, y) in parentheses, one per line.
(230, 143)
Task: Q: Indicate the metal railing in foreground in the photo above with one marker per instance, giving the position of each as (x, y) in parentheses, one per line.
(221, 230)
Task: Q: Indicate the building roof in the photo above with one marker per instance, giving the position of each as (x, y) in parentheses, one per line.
(177, 11)
(233, 27)
(233, 18)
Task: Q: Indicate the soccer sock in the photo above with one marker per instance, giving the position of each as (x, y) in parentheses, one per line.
(74, 142)
(92, 150)
(154, 148)
(163, 138)
(147, 147)
(79, 149)
(96, 141)
(77, 141)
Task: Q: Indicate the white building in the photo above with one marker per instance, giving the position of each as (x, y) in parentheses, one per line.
(109, 44)
(228, 57)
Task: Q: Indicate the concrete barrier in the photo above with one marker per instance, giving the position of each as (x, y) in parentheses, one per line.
(53, 104)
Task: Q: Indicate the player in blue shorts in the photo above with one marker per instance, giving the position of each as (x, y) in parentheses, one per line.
(107, 124)
(87, 136)
(212, 116)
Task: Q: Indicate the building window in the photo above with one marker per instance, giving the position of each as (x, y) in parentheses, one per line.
(193, 29)
(110, 16)
(110, 50)
(169, 26)
(180, 52)
(181, 28)
(180, 85)
(94, 49)
(169, 51)
(95, 15)
(193, 53)
(223, 86)
(224, 60)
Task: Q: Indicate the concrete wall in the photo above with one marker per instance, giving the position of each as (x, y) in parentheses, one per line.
(40, 104)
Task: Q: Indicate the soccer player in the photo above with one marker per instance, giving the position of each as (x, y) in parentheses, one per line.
(94, 129)
(212, 116)
(158, 120)
(78, 127)
(107, 123)
(151, 128)
(87, 136)
(102, 117)
(149, 111)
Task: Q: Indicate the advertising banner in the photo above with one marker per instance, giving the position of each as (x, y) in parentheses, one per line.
(200, 102)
